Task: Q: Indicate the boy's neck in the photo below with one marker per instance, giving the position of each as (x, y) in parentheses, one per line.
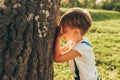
(79, 39)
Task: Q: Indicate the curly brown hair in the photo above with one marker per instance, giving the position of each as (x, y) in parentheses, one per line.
(76, 18)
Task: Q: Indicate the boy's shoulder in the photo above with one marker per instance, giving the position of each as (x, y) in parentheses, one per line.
(85, 41)
(84, 44)
(84, 47)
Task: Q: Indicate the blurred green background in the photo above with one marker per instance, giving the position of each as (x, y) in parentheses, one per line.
(104, 36)
(94, 4)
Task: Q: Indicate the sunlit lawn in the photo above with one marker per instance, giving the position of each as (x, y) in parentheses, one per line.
(105, 38)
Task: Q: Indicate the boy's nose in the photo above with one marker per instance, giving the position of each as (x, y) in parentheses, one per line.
(63, 36)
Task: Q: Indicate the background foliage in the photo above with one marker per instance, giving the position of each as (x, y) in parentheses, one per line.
(96, 4)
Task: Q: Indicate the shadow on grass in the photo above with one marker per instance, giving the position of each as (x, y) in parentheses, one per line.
(109, 64)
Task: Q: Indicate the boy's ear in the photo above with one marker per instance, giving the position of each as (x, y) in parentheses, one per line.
(76, 32)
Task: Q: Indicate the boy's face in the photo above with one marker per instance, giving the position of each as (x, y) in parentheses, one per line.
(68, 33)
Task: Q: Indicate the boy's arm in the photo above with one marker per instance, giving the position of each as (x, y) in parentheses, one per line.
(57, 51)
(58, 54)
(67, 47)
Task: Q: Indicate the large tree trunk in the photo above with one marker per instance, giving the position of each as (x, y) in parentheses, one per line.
(27, 29)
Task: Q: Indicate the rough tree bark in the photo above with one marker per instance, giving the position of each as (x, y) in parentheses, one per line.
(27, 29)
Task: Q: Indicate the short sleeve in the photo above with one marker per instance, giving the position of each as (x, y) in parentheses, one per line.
(82, 48)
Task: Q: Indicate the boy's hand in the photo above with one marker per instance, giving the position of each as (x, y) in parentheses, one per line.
(69, 44)
(57, 30)
(67, 47)
(60, 31)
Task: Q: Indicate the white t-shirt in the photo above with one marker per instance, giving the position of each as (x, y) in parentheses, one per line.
(86, 62)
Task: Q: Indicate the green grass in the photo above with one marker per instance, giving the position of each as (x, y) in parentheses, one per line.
(105, 39)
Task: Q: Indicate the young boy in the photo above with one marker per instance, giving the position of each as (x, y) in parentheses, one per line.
(78, 51)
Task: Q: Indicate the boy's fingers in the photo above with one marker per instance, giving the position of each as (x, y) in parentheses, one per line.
(69, 44)
(61, 30)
